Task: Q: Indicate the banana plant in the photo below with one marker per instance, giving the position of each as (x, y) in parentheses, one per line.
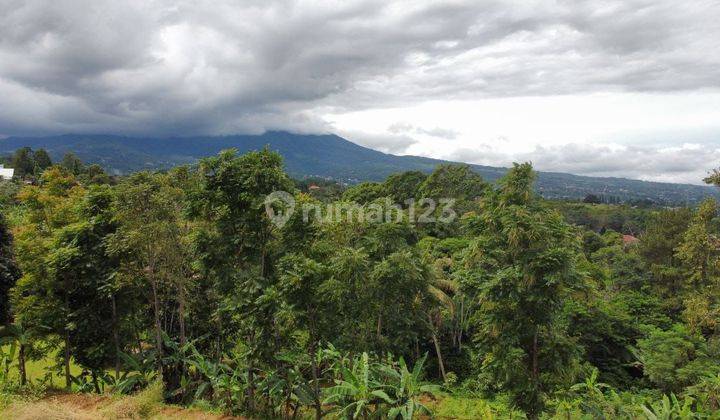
(591, 387)
(6, 359)
(18, 338)
(407, 387)
(358, 395)
(212, 376)
(671, 409)
(139, 372)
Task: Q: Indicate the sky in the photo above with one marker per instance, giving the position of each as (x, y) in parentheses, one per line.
(609, 88)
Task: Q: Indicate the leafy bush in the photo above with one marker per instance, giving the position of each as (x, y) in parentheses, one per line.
(676, 358)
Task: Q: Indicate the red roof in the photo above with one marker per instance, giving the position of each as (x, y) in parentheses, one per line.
(629, 239)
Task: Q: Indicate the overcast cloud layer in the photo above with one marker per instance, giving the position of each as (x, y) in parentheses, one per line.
(212, 67)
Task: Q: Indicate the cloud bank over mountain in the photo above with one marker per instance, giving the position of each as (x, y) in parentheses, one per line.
(213, 67)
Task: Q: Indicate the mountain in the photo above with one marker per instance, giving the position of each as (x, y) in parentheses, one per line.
(327, 156)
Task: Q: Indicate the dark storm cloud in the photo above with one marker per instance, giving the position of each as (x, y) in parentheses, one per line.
(182, 67)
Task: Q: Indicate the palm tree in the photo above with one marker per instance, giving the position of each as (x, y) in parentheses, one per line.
(443, 289)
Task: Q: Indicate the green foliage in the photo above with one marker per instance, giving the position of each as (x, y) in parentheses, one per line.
(403, 186)
(670, 408)
(605, 331)
(697, 251)
(364, 193)
(178, 283)
(602, 217)
(378, 389)
(42, 161)
(453, 181)
(23, 162)
(9, 271)
(72, 163)
(676, 358)
(522, 283)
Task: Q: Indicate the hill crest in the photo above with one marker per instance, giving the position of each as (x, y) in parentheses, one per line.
(328, 156)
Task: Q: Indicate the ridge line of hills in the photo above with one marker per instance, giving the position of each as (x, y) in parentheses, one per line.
(332, 157)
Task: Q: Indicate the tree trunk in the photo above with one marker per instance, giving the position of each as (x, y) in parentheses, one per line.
(462, 323)
(263, 258)
(181, 314)
(21, 364)
(136, 332)
(288, 404)
(251, 379)
(251, 388)
(68, 380)
(439, 356)
(535, 368)
(158, 329)
(116, 338)
(95, 382)
(316, 382)
(379, 326)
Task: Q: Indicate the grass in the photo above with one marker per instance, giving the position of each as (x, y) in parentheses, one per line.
(146, 404)
(470, 407)
(37, 369)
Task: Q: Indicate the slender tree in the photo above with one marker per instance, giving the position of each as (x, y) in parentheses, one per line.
(9, 271)
(236, 245)
(148, 212)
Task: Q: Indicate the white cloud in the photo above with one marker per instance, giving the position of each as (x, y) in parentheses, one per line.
(687, 163)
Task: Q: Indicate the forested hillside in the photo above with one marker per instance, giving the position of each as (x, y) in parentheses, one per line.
(465, 300)
(330, 156)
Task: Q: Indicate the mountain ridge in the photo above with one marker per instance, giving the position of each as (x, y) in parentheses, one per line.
(328, 156)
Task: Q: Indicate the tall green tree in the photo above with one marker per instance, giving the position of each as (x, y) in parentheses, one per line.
(403, 186)
(41, 298)
(713, 178)
(72, 163)
(364, 192)
(300, 281)
(79, 259)
(9, 271)
(453, 181)
(698, 250)
(23, 162)
(523, 264)
(236, 247)
(152, 257)
(42, 161)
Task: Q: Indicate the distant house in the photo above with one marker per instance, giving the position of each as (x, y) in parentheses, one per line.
(630, 240)
(313, 187)
(6, 173)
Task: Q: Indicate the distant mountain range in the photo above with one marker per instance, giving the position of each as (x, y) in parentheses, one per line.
(328, 156)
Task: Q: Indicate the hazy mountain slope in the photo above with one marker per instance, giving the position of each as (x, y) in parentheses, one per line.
(325, 156)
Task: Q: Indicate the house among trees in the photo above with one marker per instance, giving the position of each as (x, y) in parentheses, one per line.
(6, 173)
(630, 240)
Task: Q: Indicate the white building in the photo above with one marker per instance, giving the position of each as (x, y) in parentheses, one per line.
(6, 173)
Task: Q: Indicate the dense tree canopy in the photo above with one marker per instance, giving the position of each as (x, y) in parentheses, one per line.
(553, 309)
